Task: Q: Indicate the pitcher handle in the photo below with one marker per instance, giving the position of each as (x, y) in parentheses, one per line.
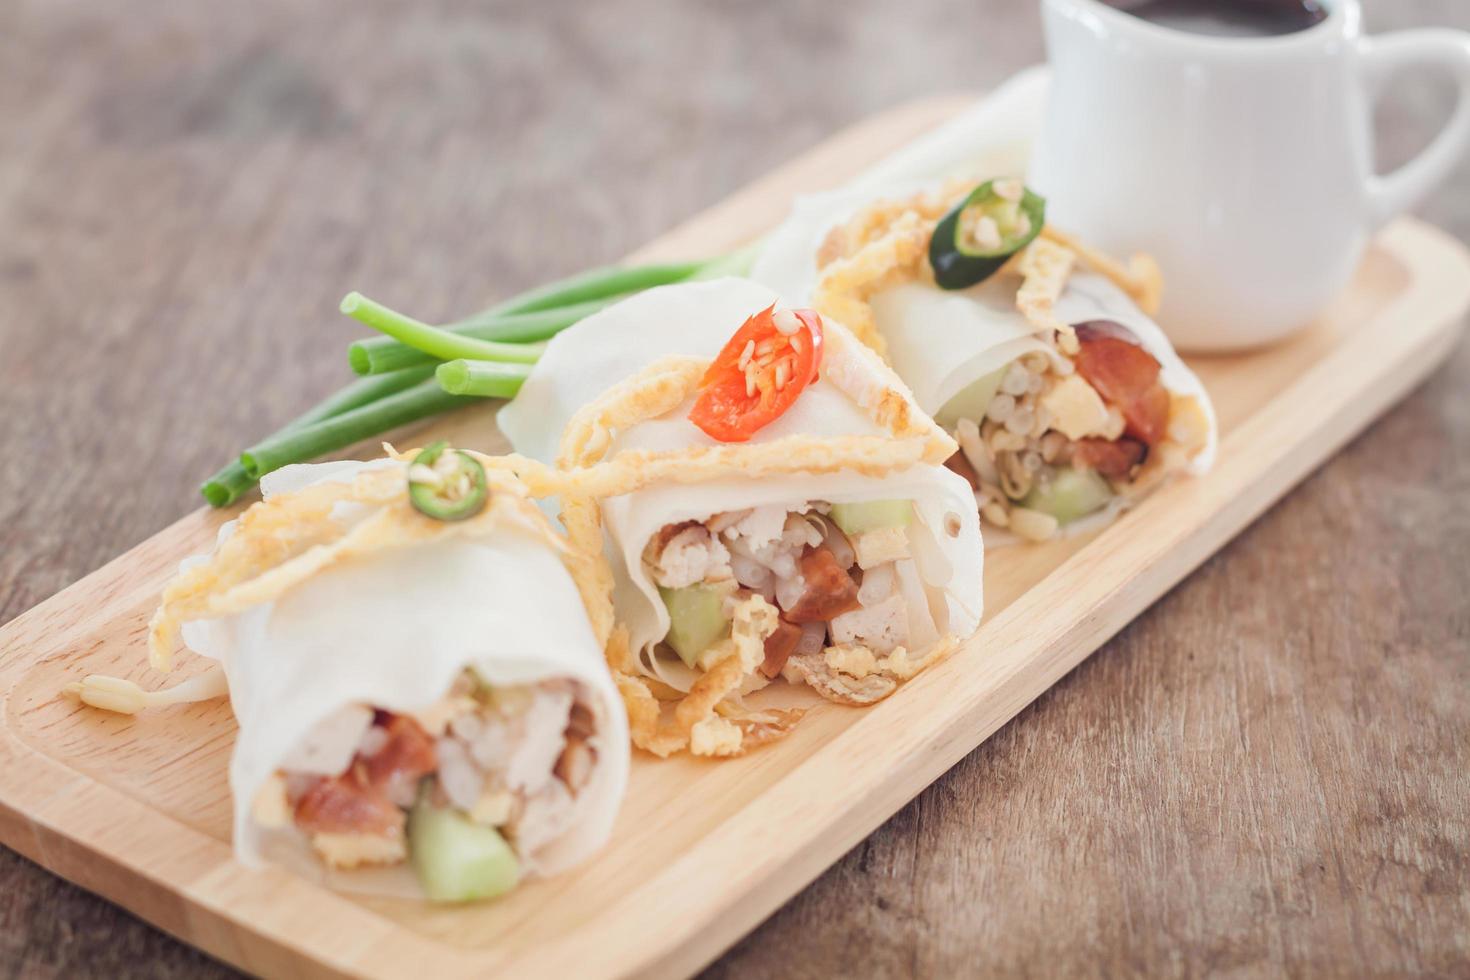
(1385, 56)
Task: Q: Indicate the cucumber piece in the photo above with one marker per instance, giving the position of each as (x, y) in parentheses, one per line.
(872, 515)
(456, 859)
(696, 619)
(1068, 494)
(972, 402)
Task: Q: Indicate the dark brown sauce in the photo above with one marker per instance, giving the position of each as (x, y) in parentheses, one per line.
(1227, 18)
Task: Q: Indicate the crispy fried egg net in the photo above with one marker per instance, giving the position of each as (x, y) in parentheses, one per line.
(911, 436)
(887, 243)
(287, 538)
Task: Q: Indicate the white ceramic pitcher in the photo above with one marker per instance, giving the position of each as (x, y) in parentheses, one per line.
(1245, 165)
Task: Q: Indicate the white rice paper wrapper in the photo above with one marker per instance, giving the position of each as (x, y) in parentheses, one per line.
(394, 631)
(940, 341)
(698, 319)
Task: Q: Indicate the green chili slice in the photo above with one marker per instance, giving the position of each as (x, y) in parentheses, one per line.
(994, 221)
(446, 484)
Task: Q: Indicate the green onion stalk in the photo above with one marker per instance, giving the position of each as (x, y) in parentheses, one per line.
(484, 379)
(445, 345)
(384, 354)
(547, 310)
(232, 481)
(415, 370)
(296, 445)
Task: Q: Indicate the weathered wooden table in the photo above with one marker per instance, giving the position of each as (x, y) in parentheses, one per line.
(1267, 773)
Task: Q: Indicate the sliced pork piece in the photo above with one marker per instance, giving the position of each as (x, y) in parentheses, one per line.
(1114, 460)
(406, 756)
(1114, 362)
(346, 804)
(828, 589)
(779, 646)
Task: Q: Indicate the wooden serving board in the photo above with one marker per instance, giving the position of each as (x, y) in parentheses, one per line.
(138, 810)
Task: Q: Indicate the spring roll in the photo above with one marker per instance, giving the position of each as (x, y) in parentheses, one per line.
(1067, 400)
(424, 708)
(829, 548)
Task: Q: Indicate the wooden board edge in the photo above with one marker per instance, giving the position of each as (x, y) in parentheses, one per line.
(181, 881)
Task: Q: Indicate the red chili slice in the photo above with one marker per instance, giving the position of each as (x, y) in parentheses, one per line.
(1126, 375)
(757, 376)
